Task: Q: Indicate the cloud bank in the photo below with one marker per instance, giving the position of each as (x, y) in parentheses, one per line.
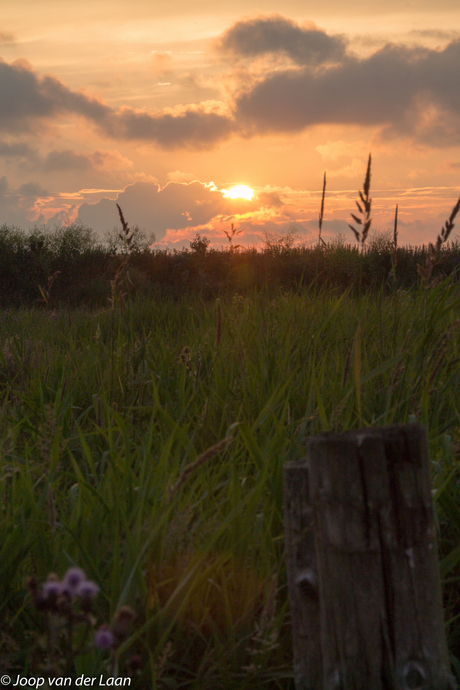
(177, 205)
(276, 34)
(402, 91)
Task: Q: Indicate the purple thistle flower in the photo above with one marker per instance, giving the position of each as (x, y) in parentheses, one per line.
(72, 579)
(104, 638)
(87, 590)
(52, 589)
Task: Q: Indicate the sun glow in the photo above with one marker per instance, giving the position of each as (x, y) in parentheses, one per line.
(241, 191)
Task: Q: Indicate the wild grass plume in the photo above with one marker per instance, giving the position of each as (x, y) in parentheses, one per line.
(395, 244)
(364, 209)
(126, 236)
(321, 213)
(434, 257)
(231, 235)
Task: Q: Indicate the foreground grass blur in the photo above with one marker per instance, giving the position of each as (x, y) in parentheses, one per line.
(101, 411)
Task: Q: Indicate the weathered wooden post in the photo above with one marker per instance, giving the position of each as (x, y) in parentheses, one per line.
(362, 563)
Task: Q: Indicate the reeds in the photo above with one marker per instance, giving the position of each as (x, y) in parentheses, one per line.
(231, 235)
(126, 236)
(395, 244)
(434, 257)
(321, 213)
(364, 209)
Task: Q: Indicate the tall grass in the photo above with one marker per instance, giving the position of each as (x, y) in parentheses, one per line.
(73, 272)
(116, 457)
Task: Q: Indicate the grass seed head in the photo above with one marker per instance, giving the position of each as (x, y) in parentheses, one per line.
(364, 209)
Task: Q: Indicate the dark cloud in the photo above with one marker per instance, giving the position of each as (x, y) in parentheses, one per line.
(17, 150)
(3, 185)
(394, 88)
(32, 98)
(276, 34)
(65, 160)
(195, 127)
(31, 189)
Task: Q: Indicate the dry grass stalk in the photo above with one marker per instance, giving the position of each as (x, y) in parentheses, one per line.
(395, 233)
(231, 235)
(365, 209)
(395, 243)
(434, 251)
(321, 213)
(201, 460)
(127, 238)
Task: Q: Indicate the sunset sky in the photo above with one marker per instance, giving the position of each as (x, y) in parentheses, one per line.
(159, 106)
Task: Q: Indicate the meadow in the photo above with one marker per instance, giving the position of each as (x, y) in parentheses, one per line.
(142, 440)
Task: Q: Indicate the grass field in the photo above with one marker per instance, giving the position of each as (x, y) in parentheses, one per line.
(105, 417)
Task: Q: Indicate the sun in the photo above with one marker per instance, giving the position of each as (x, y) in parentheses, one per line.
(241, 191)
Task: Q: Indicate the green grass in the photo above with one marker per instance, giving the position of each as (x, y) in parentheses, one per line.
(100, 412)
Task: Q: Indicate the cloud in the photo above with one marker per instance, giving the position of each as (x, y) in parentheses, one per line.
(276, 34)
(32, 189)
(7, 37)
(17, 206)
(17, 150)
(399, 91)
(199, 126)
(33, 99)
(405, 91)
(65, 160)
(437, 34)
(179, 209)
(271, 199)
(3, 185)
(70, 160)
(174, 206)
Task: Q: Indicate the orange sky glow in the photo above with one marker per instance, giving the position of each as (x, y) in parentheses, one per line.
(165, 108)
